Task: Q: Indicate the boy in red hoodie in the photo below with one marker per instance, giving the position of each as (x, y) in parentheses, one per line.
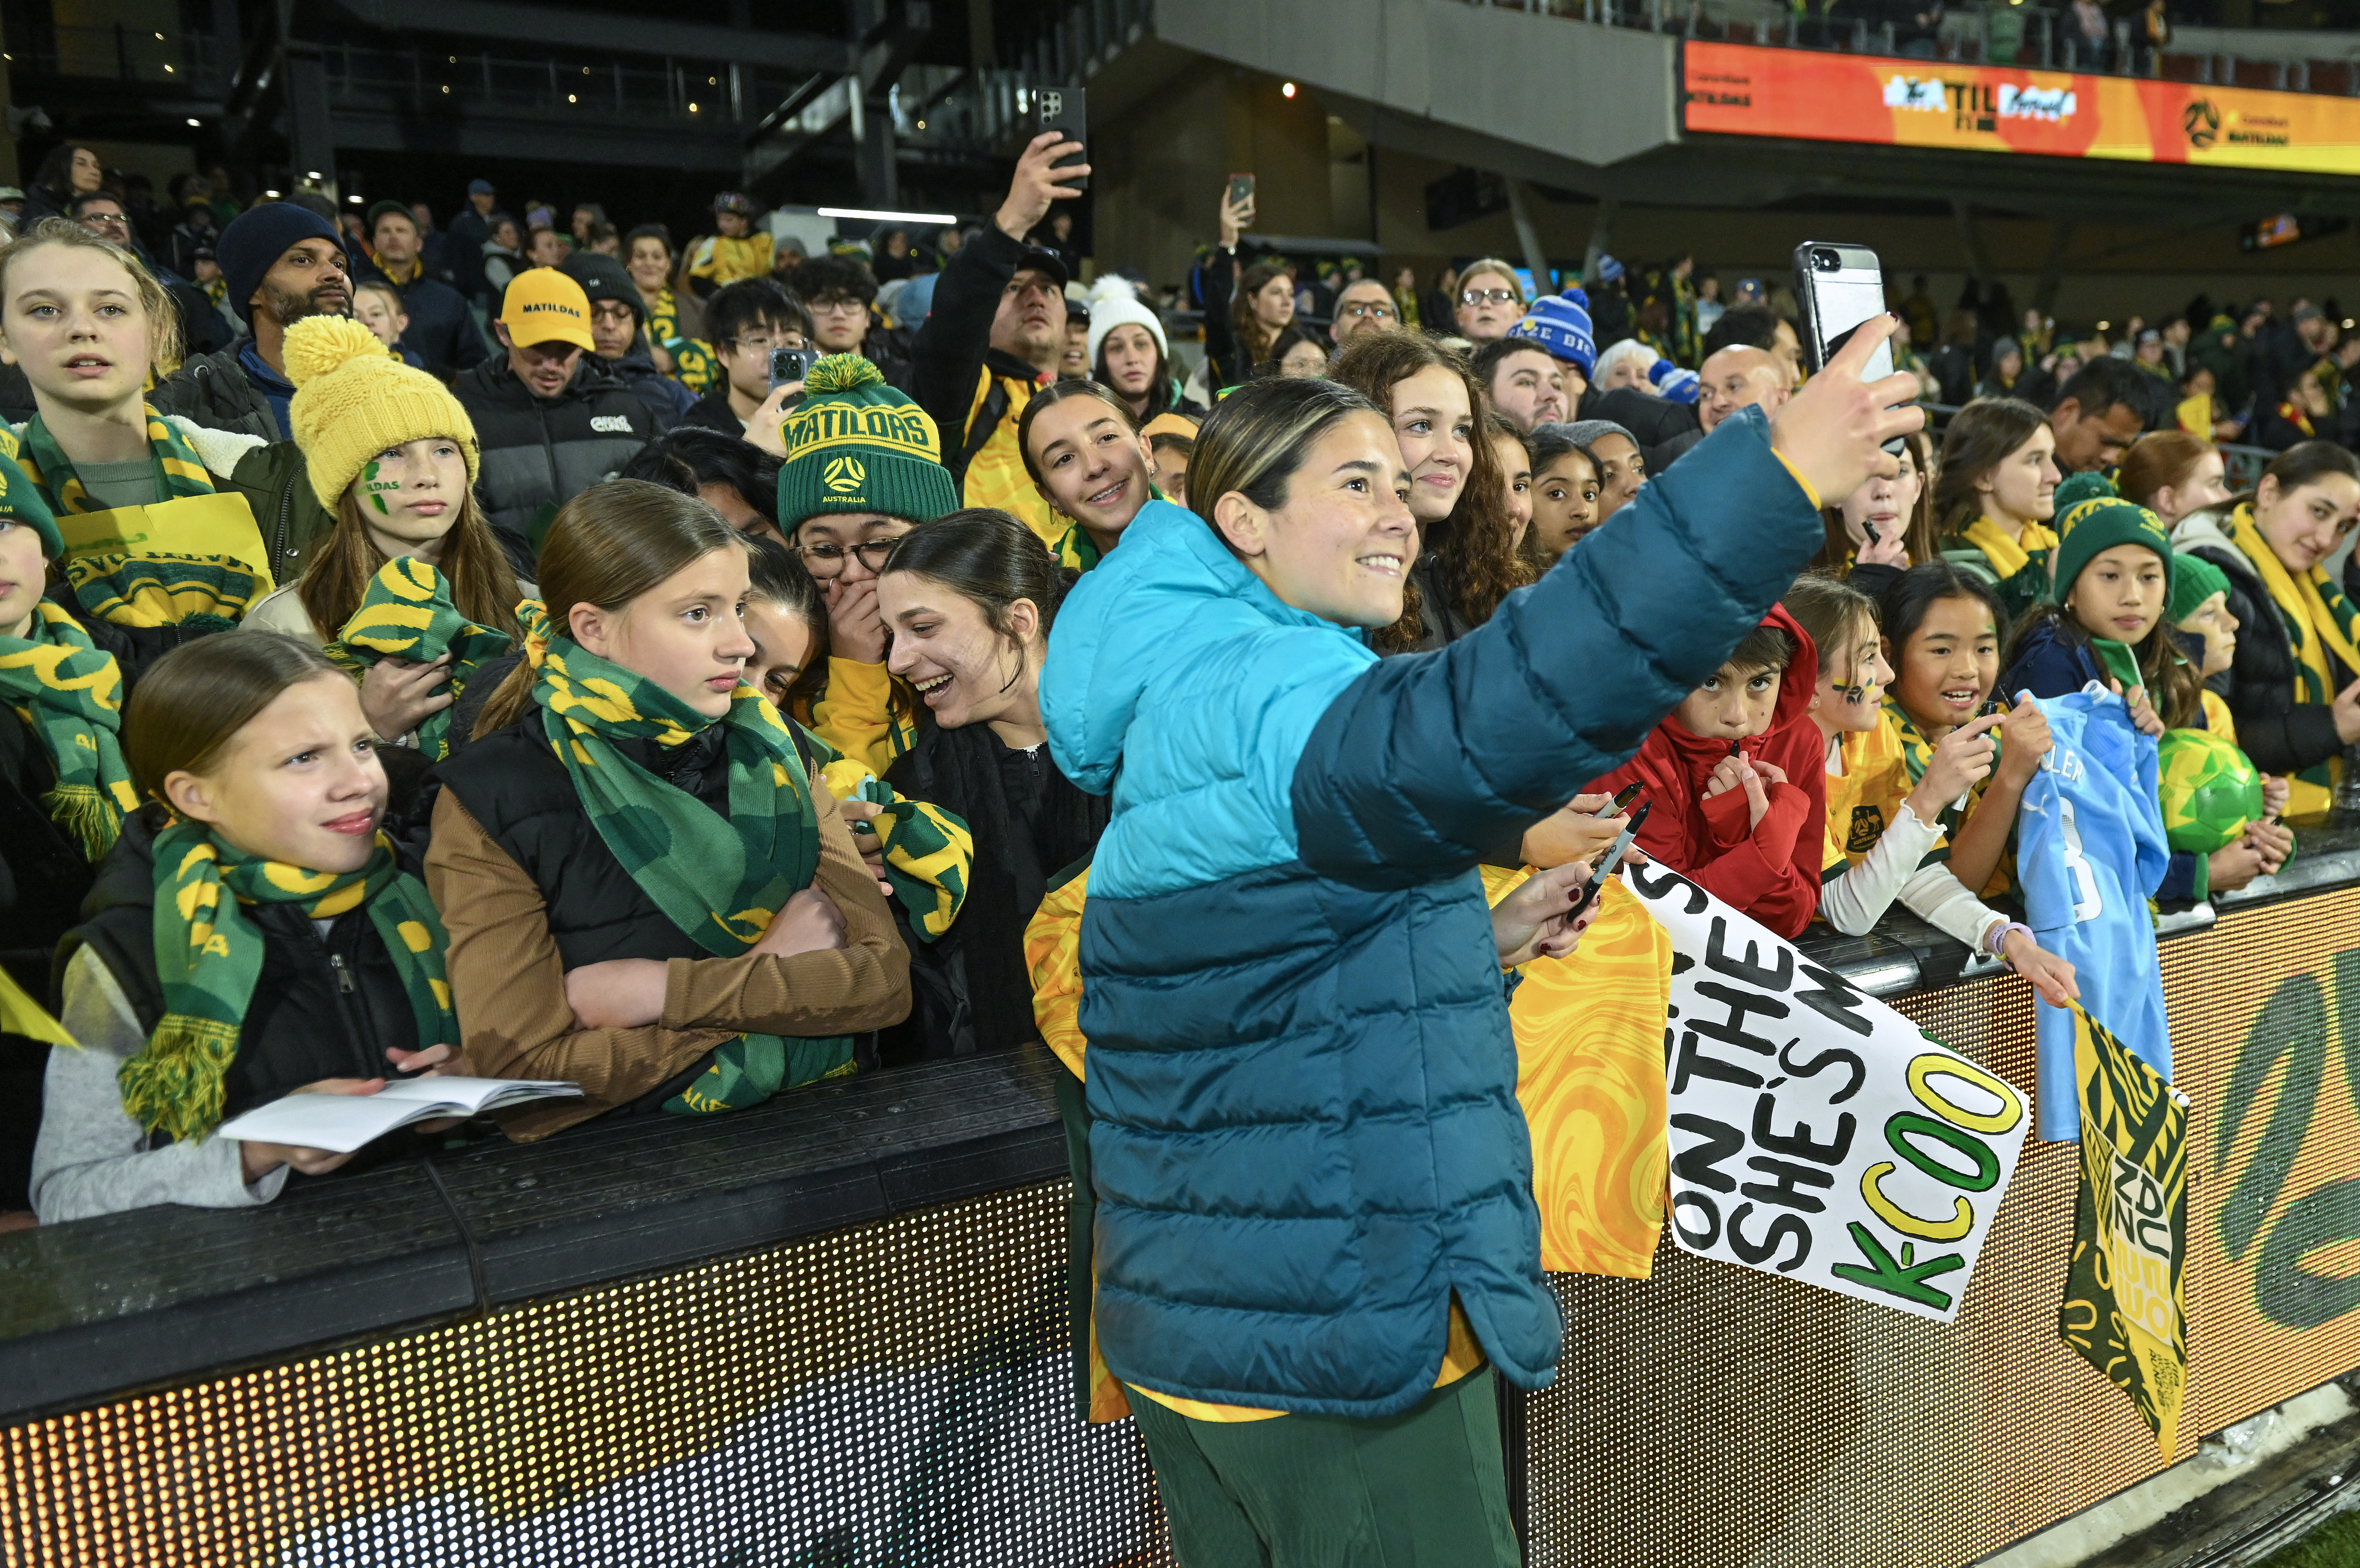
(1738, 778)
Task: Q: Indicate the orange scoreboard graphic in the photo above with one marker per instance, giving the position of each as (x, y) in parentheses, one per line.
(1749, 90)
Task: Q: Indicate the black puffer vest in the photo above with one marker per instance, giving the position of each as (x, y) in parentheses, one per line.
(522, 798)
(323, 1007)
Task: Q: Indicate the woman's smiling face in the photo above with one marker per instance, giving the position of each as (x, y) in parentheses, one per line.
(960, 666)
(1434, 424)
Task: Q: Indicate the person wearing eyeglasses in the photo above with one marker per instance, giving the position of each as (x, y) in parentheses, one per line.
(551, 418)
(1490, 302)
(746, 321)
(1364, 305)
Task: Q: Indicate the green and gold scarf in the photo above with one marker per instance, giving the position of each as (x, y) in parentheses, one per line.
(407, 613)
(719, 879)
(1917, 755)
(2324, 629)
(179, 469)
(70, 694)
(200, 593)
(209, 955)
(929, 853)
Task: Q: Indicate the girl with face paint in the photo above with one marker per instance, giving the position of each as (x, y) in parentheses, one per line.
(1882, 827)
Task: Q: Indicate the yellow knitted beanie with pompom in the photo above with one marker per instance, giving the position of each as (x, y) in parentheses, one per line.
(354, 399)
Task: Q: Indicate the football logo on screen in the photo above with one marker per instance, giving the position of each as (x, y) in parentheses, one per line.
(843, 473)
(2201, 122)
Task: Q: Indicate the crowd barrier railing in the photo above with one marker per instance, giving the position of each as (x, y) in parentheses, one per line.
(835, 1328)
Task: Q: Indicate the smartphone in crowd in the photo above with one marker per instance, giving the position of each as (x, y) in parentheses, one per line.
(1838, 287)
(1242, 189)
(1064, 109)
(789, 366)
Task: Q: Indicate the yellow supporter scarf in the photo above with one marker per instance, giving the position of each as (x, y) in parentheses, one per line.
(2009, 556)
(2325, 631)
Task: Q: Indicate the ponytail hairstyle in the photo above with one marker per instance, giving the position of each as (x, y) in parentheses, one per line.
(1841, 619)
(991, 560)
(1979, 439)
(610, 544)
(1258, 438)
(2160, 460)
(1475, 559)
(482, 585)
(1917, 536)
(1254, 338)
(191, 703)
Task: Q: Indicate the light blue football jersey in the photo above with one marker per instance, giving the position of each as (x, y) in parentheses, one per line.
(2089, 852)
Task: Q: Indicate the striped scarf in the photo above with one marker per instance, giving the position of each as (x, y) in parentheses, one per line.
(2324, 629)
(719, 879)
(200, 593)
(209, 957)
(70, 694)
(179, 469)
(407, 614)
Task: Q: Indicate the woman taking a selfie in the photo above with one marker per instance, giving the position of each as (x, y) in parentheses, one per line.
(1313, 1181)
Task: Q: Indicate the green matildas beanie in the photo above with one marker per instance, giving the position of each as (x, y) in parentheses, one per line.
(2095, 525)
(21, 503)
(2193, 581)
(855, 444)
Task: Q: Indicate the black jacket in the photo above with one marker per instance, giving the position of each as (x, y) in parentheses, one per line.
(667, 400)
(954, 346)
(539, 453)
(462, 250)
(324, 1008)
(2280, 734)
(213, 390)
(712, 412)
(522, 798)
(443, 330)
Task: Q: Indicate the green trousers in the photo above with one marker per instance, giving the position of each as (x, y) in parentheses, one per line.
(1427, 1488)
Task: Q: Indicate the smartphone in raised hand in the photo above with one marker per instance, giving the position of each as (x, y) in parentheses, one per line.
(1064, 109)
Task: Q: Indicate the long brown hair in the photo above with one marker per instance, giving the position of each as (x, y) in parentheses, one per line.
(483, 587)
(609, 545)
(1254, 338)
(1917, 533)
(191, 702)
(2171, 682)
(1476, 563)
(1979, 439)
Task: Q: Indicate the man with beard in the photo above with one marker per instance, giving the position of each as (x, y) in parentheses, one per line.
(995, 336)
(281, 262)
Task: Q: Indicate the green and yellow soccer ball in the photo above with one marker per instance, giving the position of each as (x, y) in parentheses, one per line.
(2210, 789)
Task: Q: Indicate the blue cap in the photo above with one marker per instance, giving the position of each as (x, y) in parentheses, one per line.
(1609, 270)
(1673, 383)
(1560, 324)
(480, 188)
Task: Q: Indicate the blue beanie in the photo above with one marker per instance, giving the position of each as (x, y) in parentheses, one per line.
(1609, 270)
(1560, 324)
(1674, 385)
(255, 241)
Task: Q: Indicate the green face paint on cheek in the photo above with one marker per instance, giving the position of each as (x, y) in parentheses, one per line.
(377, 487)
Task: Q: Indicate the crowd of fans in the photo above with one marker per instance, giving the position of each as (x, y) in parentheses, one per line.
(466, 650)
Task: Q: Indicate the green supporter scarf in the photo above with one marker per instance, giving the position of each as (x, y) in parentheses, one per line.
(179, 469)
(209, 955)
(407, 613)
(70, 694)
(928, 852)
(719, 879)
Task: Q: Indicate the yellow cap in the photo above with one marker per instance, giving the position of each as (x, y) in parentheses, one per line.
(353, 399)
(545, 305)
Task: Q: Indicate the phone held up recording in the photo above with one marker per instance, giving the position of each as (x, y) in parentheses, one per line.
(1838, 287)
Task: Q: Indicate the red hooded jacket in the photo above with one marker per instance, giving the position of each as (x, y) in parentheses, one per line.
(1772, 872)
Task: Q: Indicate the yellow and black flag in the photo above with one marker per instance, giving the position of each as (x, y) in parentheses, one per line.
(2125, 1310)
